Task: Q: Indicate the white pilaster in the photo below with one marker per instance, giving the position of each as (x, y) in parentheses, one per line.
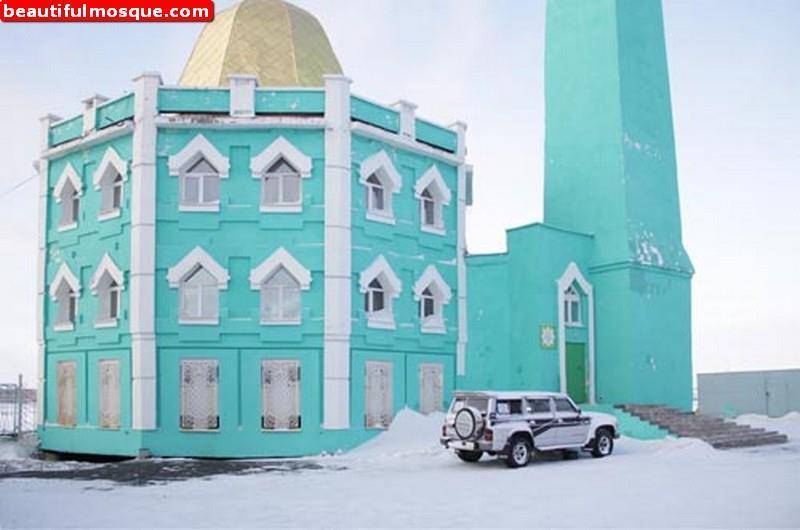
(142, 265)
(461, 265)
(336, 391)
(41, 166)
(408, 118)
(90, 105)
(243, 95)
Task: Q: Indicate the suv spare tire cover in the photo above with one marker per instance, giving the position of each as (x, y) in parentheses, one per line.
(468, 423)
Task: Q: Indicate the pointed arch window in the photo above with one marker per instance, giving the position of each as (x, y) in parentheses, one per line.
(432, 293)
(198, 278)
(281, 185)
(109, 179)
(380, 180)
(107, 286)
(200, 185)
(67, 193)
(280, 279)
(199, 167)
(65, 291)
(380, 286)
(572, 306)
(433, 195)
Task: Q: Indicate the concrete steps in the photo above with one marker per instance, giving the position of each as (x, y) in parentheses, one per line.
(719, 433)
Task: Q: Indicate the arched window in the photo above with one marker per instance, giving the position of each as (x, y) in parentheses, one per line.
(199, 296)
(432, 293)
(67, 300)
(108, 295)
(111, 194)
(108, 179)
(280, 298)
(67, 193)
(427, 305)
(433, 195)
(375, 298)
(572, 307)
(200, 185)
(377, 200)
(431, 210)
(380, 286)
(281, 185)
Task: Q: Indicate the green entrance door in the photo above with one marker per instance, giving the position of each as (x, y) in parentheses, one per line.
(576, 371)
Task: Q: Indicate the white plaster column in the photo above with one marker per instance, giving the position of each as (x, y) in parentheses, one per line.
(243, 95)
(90, 105)
(461, 265)
(338, 275)
(41, 166)
(408, 118)
(142, 265)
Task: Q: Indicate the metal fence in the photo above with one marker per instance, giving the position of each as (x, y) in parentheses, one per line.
(770, 392)
(17, 409)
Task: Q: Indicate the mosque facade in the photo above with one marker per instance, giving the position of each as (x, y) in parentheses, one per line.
(259, 262)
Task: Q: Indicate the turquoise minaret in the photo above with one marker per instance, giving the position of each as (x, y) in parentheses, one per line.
(611, 173)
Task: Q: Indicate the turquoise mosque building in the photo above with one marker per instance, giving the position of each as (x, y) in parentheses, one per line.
(259, 262)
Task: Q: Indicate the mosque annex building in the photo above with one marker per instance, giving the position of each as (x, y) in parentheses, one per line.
(259, 262)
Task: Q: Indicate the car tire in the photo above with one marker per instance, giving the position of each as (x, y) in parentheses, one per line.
(519, 452)
(469, 456)
(603, 444)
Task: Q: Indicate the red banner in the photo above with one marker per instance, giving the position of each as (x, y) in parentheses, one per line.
(107, 11)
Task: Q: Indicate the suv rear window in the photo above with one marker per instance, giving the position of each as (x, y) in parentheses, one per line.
(479, 402)
(509, 406)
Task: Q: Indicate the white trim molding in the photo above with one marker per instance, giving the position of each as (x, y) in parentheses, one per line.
(142, 287)
(381, 163)
(107, 265)
(432, 175)
(64, 274)
(441, 291)
(280, 258)
(380, 267)
(338, 255)
(67, 174)
(198, 147)
(573, 275)
(280, 148)
(242, 95)
(197, 257)
(461, 249)
(110, 159)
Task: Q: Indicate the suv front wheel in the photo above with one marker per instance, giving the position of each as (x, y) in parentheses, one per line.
(603, 443)
(469, 456)
(519, 452)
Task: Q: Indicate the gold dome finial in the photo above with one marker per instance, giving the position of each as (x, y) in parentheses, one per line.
(279, 43)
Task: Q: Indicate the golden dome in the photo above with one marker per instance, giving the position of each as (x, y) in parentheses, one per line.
(281, 44)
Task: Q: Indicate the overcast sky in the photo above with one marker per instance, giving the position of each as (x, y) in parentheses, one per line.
(735, 77)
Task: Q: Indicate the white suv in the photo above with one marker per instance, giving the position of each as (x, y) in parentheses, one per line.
(515, 425)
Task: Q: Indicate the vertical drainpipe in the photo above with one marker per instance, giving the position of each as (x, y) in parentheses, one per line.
(142, 257)
(338, 275)
(461, 266)
(41, 165)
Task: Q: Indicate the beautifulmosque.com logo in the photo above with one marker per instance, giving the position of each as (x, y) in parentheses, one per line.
(107, 11)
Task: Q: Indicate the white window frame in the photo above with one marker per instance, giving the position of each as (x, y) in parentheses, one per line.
(572, 301)
(110, 177)
(281, 176)
(391, 286)
(264, 271)
(208, 364)
(64, 276)
(260, 164)
(201, 205)
(104, 419)
(67, 192)
(431, 285)
(432, 183)
(293, 370)
(380, 167)
(100, 288)
(198, 148)
(188, 266)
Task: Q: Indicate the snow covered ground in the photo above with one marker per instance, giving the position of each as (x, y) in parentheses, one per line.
(403, 479)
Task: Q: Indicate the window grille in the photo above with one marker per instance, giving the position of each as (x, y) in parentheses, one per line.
(280, 395)
(66, 384)
(378, 395)
(109, 394)
(199, 395)
(431, 387)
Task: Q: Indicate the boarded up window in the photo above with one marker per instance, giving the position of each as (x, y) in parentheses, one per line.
(431, 383)
(378, 395)
(109, 394)
(280, 395)
(67, 393)
(199, 395)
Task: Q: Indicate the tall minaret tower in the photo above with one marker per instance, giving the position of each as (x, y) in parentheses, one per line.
(611, 172)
